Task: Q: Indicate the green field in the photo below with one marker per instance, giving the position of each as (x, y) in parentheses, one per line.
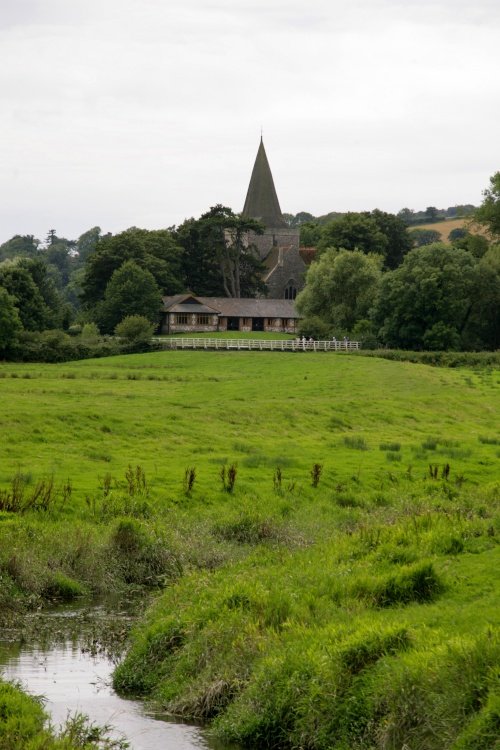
(358, 613)
(171, 410)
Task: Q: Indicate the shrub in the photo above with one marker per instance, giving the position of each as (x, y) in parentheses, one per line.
(90, 333)
(135, 329)
(142, 558)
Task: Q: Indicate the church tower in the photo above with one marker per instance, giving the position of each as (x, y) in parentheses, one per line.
(278, 247)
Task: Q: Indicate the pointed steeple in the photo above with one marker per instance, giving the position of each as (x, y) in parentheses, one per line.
(262, 202)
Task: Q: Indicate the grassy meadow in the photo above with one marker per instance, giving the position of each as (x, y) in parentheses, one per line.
(322, 531)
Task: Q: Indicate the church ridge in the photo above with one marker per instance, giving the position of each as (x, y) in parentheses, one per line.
(262, 200)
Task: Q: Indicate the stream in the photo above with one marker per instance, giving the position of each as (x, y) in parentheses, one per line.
(60, 658)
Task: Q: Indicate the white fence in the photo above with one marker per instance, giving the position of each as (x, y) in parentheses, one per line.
(288, 345)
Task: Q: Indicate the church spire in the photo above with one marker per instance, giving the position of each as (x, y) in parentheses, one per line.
(262, 201)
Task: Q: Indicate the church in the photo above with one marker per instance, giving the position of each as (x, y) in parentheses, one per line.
(279, 249)
(279, 246)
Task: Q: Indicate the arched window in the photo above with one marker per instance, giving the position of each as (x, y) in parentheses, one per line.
(290, 290)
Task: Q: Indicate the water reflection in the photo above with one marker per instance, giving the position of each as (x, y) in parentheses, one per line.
(74, 680)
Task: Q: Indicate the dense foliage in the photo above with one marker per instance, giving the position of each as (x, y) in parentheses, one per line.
(426, 295)
(409, 291)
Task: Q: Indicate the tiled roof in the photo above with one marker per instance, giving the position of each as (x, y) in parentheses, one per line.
(308, 254)
(241, 307)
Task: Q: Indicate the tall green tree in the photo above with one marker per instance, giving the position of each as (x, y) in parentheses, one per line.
(488, 212)
(370, 232)
(482, 330)
(156, 251)
(132, 290)
(10, 322)
(219, 253)
(426, 303)
(37, 300)
(200, 268)
(341, 288)
(24, 246)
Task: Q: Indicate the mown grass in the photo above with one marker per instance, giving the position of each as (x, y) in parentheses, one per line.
(352, 605)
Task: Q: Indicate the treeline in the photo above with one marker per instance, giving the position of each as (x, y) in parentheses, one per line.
(408, 215)
(374, 278)
(377, 280)
(87, 287)
(438, 297)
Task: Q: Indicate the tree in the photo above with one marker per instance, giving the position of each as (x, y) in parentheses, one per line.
(132, 290)
(51, 237)
(340, 289)
(39, 271)
(483, 325)
(488, 212)
(87, 243)
(371, 232)
(156, 251)
(19, 246)
(407, 215)
(310, 234)
(475, 244)
(354, 231)
(34, 312)
(396, 232)
(421, 237)
(219, 239)
(10, 323)
(431, 213)
(427, 300)
(200, 268)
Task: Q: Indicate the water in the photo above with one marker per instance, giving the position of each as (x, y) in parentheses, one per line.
(74, 680)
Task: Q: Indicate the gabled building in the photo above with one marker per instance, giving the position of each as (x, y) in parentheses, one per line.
(186, 313)
(278, 247)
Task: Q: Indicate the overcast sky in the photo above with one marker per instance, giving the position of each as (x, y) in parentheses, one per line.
(122, 113)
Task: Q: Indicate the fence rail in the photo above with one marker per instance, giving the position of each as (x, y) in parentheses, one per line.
(258, 345)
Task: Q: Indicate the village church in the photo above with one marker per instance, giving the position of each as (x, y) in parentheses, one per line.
(279, 249)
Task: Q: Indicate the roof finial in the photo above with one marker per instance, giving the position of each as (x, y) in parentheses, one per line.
(261, 131)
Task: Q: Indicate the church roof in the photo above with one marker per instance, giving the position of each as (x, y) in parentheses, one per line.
(262, 201)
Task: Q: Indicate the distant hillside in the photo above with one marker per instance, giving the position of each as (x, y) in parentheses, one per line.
(445, 227)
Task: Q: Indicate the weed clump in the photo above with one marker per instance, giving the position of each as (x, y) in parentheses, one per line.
(189, 480)
(228, 477)
(418, 583)
(316, 472)
(247, 529)
(356, 442)
(140, 557)
(390, 446)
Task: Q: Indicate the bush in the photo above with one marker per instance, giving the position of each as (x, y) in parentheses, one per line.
(90, 333)
(142, 558)
(315, 327)
(135, 329)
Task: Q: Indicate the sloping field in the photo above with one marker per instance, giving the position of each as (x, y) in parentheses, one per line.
(445, 227)
(171, 410)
